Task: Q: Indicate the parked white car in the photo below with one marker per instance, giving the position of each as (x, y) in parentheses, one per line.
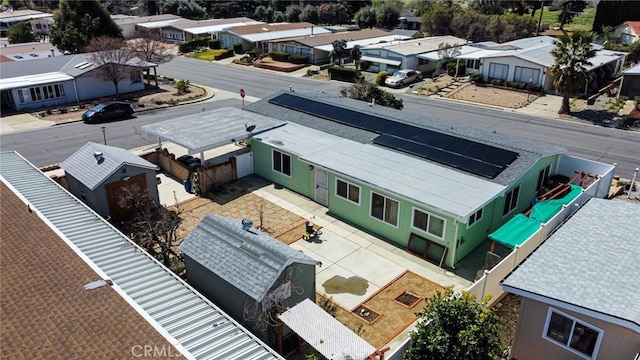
(403, 77)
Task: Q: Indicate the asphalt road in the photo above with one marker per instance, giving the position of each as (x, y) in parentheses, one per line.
(54, 144)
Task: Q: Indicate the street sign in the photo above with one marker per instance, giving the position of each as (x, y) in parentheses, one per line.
(242, 93)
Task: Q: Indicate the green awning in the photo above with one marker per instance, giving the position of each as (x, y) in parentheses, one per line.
(544, 211)
(515, 231)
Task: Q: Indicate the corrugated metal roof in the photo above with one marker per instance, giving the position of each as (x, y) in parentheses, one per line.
(450, 191)
(32, 80)
(324, 333)
(194, 323)
(251, 261)
(84, 166)
(219, 27)
(381, 60)
(210, 129)
(437, 55)
(591, 262)
(417, 46)
(365, 42)
(632, 71)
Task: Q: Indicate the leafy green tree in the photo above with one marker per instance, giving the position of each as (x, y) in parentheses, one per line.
(333, 13)
(278, 17)
(369, 92)
(387, 16)
(569, 9)
(339, 50)
(437, 21)
(21, 33)
(571, 53)
(77, 22)
(292, 13)
(188, 9)
(365, 17)
(455, 326)
(309, 14)
(263, 13)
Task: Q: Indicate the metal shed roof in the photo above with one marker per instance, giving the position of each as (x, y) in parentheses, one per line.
(326, 334)
(381, 60)
(210, 129)
(178, 311)
(365, 42)
(84, 166)
(32, 80)
(439, 187)
(250, 260)
(271, 35)
(596, 252)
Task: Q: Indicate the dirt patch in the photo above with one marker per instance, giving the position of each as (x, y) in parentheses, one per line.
(352, 285)
(394, 317)
(492, 96)
(238, 205)
(432, 86)
(168, 94)
(507, 310)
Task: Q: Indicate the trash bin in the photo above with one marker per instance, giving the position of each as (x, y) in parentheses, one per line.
(187, 186)
(309, 228)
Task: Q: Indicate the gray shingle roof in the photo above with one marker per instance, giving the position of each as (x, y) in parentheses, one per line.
(591, 262)
(530, 151)
(249, 260)
(83, 166)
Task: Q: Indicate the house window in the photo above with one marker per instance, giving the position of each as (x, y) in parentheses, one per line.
(135, 77)
(348, 191)
(473, 64)
(542, 177)
(474, 218)
(526, 75)
(511, 200)
(428, 223)
(384, 209)
(574, 335)
(40, 93)
(281, 163)
(498, 71)
(21, 97)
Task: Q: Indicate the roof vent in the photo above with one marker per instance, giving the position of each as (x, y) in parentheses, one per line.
(246, 224)
(99, 157)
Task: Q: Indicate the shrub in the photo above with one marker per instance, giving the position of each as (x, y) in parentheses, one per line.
(497, 82)
(381, 77)
(364, 65)
(228, 53)
(237, 48)
(183, 85)
(637, 100)
(279, 56)
(451, 68)
(344, 74)
(476, 78)
(192, 45)
(298, 59)
(214, 44)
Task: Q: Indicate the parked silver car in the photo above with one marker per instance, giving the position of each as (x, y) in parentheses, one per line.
(403, 77)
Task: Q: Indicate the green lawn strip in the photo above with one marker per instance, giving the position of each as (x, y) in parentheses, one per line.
(582, 21)
(208, 55)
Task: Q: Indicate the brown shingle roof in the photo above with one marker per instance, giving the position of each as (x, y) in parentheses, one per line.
(45, 311)
(325, 39)
(635, 26)
(262, 28)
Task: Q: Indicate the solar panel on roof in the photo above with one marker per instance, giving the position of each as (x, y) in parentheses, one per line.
(464, 154)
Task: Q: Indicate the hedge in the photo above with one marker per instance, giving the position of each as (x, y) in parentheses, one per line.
(280, 56)
(237, 48)
(225, 55)
(344, 74)
(298, 59)
(192, 45)
(214, 44)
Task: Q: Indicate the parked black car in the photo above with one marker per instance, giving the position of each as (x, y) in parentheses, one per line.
(112, 110)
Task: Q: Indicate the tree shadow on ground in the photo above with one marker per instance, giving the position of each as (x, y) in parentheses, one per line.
(606, 118)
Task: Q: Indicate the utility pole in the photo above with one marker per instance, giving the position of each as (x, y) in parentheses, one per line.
(540, 19)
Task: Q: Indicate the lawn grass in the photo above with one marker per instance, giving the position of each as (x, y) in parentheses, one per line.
(208, 55)
(582, 21)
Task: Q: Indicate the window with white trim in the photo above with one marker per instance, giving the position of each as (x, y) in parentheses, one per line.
(475, 217)
(542, 177)
(348, 191)
(511, 200)
(384, 209)
(526, 75)
(40, 93)
(428, 223)
(281, 163)
(573, 334)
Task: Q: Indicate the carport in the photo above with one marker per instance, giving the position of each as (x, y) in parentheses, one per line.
(211, 129)
(208, 130)
(326, 334)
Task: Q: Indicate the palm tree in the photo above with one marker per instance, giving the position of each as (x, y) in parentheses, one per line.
(572, 54)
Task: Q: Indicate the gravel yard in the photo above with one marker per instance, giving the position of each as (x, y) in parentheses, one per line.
(492, 96)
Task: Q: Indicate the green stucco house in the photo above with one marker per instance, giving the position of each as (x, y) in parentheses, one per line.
(421, 183)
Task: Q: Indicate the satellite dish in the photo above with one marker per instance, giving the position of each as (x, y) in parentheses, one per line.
(250, 128)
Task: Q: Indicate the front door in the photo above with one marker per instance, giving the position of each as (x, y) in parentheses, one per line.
(322, 191)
